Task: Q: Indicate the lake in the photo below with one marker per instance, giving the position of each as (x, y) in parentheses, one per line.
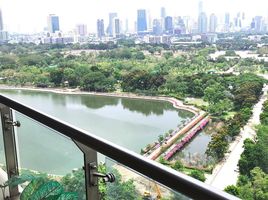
(131, 123)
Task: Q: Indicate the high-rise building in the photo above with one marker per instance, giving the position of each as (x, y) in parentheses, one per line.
(243, 16)
(1, 21)
(258, 23)
(53, 23)
(252, 24)
(126, 26)
(112, 16)
(141, 21)
(81, 29)
(187, 24)
(149, 20)
(3, 34)
(157, 30)
(163, 13)
(100, 28)
(227, 19)
(212, 23)
(200, 7)
(116, 27)
(169, 24)
(202, 23)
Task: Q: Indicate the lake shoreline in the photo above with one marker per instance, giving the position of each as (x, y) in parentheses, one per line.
(178, 104)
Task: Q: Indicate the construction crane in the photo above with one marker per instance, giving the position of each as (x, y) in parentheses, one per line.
(148, 196)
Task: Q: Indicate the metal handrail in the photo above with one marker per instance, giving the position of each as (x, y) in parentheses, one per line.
(160, 173)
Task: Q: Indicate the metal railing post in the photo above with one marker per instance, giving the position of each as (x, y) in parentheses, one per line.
(9, 145)
(90, 167)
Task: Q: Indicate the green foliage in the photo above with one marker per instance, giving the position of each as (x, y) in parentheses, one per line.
(220, 107)
(68, 196)
(40, 188)
(230, 53)
(253, 187)
(17, 180)
(108, 191)
(160, 138)
(120, 190)
(75, 182)
(50, 188)
(163, 161)
(218, 145)
(199, 175)
(214, 93)
(232, 189)
(178, 165)
(31, 188)
(255, 153)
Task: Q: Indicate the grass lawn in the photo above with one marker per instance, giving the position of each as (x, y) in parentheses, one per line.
(196, 101)
(229, 115)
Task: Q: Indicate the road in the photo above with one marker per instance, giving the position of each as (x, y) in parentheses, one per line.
(226, 173)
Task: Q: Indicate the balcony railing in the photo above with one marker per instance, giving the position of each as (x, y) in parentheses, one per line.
(89, 145)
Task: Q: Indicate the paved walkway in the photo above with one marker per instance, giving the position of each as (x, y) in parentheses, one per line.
(226, 173)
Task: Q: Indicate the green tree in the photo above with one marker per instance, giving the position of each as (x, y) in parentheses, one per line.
(232, 189)
(221, 107)
(218, 145)
(56, 76)
(120, 190)
(178, 165)
(75, 182)
(214, 93)
(199, 175)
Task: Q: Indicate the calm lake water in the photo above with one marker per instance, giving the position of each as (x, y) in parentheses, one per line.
(130, 123)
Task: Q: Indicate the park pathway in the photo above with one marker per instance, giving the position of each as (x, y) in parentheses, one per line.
(226, 172)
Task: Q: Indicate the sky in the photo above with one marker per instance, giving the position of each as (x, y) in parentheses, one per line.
(29, 16)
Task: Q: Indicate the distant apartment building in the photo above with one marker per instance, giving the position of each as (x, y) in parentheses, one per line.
(117, 30)
(157, 29)
(163, 13)
(212, 23)
(81, 29)
(202, 23)
(258, 23)
(1, 21)
(141, 21)
(100, 28)
(3, 33)
(112, 16)
(169, 25)
(53, 23)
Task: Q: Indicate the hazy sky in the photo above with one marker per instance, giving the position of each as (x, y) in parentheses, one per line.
(31, 15)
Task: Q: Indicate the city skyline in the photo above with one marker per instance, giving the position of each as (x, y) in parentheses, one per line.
(71, 14)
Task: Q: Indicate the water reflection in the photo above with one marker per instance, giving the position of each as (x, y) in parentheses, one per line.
(96, 102)
(146, 107)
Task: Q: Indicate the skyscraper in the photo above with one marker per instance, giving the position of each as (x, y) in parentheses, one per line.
(81, 29)
(163, 12)
(141, 21)
(227, 19)
(100, 28)
(169, 24)
(157, 30)
(200, 7)
(1, 21)
(202, 23)
(116, 27)
(112, 16)
(258, 23)
(53, 23)
(126, 26)
(212, 23)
